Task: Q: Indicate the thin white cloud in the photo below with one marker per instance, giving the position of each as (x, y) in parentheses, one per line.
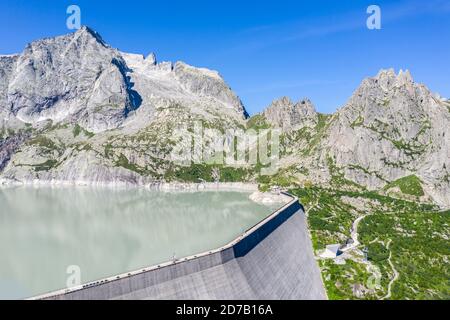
(271, 35)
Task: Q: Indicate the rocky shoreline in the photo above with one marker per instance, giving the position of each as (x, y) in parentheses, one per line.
(159, 186)
(265, 198)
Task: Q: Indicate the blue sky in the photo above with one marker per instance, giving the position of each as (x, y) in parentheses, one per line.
(264, 49)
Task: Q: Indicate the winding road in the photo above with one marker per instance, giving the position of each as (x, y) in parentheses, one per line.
(396, 274)
(354, 234)
(356, 243)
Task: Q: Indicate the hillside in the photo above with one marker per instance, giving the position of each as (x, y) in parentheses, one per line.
(77, 111)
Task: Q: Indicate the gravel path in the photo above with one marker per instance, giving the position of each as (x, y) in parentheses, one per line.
(396, 274)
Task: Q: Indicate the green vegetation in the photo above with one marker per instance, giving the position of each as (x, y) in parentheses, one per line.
(82, 146)
(409, 235)
(207, 173)
(329, 217)
(425, 127)
(357, 122)
(398, 164)
(340, 280)
(308, 138)
(411, 149)
(46, 166)
(419, 250)
(47, 145)
(194, 173)
(399, 236)
(366, 171)
(338, 179)
(258, 122)
(377, 252)
(123, 162)
(77, 130)
(108, 151)
(50, 126)
(283, 178)
(43, 141)
(321, 128)
(410, 185)
(228, 174)
(6, 132)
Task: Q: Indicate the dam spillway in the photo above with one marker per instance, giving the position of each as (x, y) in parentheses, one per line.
(271, 261)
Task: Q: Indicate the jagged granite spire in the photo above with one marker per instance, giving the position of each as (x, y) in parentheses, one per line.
(393, 127)
(287, 115)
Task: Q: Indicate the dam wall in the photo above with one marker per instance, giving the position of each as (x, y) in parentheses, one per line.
(272, 261)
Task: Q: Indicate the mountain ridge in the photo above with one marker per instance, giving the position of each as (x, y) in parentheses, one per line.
(81, 102)
(375, 171)
(389, 121)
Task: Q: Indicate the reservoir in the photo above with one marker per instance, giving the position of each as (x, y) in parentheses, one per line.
(49, 236)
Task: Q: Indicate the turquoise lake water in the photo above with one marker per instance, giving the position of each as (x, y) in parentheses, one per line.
(48, 233)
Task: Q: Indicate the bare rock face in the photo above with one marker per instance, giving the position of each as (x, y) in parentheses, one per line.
(199, 89)
(73, 109)
(283, 113)
(96, 115)
(7, 66)
(392, 128)
(78, 77)
(75, 75)
(8, 146)
(207, 83)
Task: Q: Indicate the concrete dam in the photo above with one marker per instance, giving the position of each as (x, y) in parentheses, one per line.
(271, 261)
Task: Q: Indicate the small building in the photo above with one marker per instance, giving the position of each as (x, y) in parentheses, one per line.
(331, 251)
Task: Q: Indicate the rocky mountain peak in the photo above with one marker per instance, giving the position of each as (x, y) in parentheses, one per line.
(306, 103)
(87, 32)
(389, 129)
(209, 84)
(393, 126)
(287, 115)
(151, 58)
(405, 77)
(387, 80)
(79, 78)
(281, 102)
(75, 77)
(392, 100)
(386, 73)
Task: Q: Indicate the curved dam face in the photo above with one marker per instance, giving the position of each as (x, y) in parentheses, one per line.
(273, 260)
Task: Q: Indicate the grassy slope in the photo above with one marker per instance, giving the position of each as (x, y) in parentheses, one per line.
(410, 185)
(413, 235)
